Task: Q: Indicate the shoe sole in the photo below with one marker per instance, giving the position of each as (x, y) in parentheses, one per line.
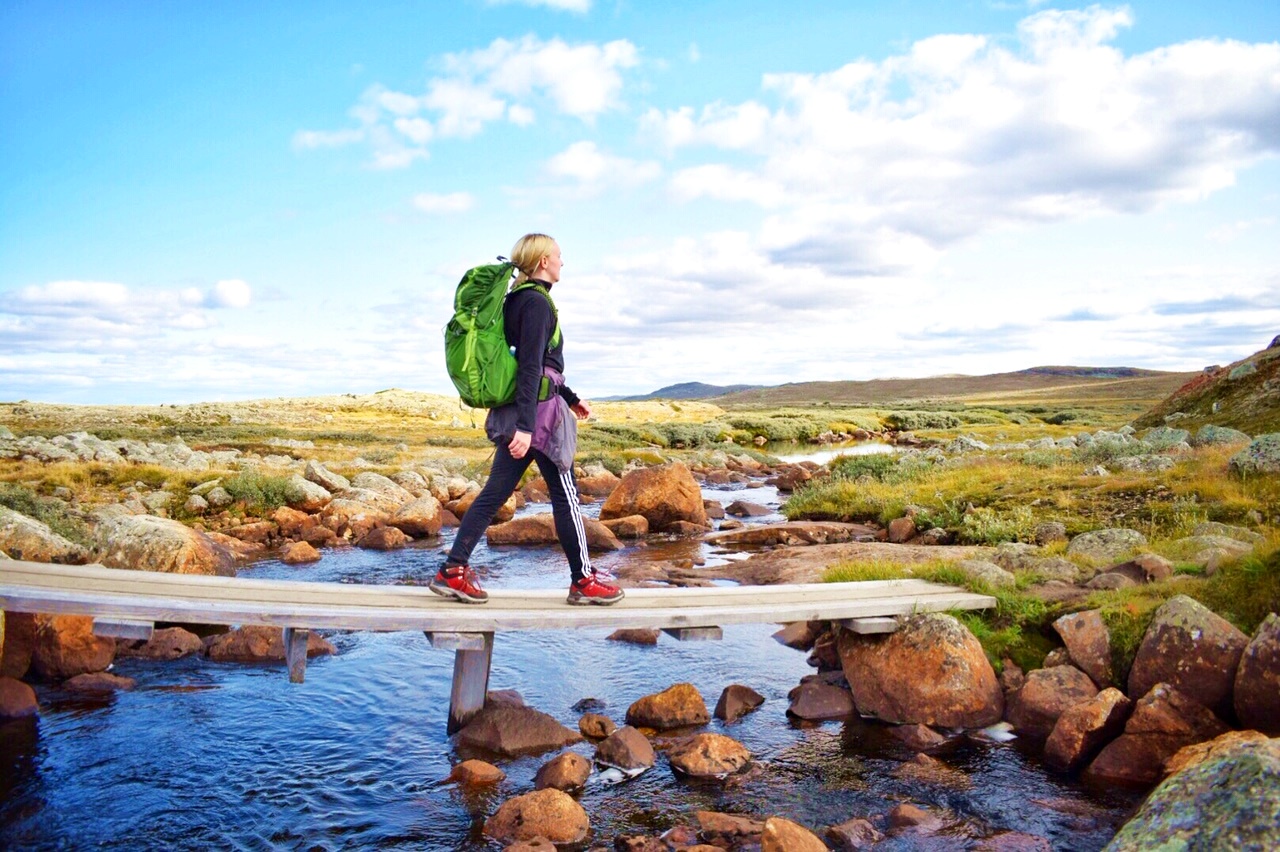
(446, 592)
(586, 601)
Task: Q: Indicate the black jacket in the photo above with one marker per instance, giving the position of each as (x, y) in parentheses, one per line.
(529, 322)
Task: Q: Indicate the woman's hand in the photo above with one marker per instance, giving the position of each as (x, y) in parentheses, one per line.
(582, 409)
(519, 445)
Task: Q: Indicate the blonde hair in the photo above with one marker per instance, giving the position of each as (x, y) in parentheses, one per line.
(526, 253)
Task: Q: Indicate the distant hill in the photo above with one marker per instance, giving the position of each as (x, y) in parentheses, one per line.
(1244, 395)
(685, 390)
(1036, 385)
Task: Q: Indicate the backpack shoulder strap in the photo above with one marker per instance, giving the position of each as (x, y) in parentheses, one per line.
(554, 341)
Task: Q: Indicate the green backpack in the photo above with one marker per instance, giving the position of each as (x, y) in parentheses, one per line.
(480, 363)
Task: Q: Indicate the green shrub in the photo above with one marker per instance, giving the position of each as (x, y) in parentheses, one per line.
(985, 525)
(52, 513)
(876, 465)
(1108, 450)
(260, 493)
(911, 421)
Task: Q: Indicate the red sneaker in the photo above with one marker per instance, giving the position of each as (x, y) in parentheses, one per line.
(459, 582)
(590, 590)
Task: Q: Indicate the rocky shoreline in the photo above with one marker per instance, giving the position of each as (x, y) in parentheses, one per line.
(1198, 705)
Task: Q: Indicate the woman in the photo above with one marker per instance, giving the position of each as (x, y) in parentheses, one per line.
(539, 426)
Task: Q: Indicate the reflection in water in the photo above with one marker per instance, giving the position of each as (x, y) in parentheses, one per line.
(831, 451)
(209, 756)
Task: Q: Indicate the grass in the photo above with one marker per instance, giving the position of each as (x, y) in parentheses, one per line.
(52, 513)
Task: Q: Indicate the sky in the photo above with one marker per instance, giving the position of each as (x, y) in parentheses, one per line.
(238, 200)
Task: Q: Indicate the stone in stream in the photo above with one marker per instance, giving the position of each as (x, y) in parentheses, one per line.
(1163, 721)
(675, 707)
(595, 726)
(1082, 730)
(708, 756)
(783, 835)
(258, 643)
(512, 731)
(626, 749)
(737, 701)
(1045, 696)
(168, 643)
(17, 699)
(664, 495)
(475, 772)
(545, 813)
(569, 771)
(64, 646)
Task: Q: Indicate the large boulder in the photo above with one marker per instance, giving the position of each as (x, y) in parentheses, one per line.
(1257, 686)
(663, 494)
(306, 496)
(349, 518)
(328, 480)
(816, 701)
(783, 835)
(147, 543)
(418, 518)
(1082, 730)
(1045, 696)
(30, 540)
(1209, 435)
(568, 771)
(1088, 643)
(540, 528)
(259, 643)
(510, 730)
(708, 756)
(675, 707)
(1230, 801)
(1260, 457)
(1109, 545)
(168, 643)
(19, 630)
(382, 485)
(1163, 721)
(65, 647)
(626, 749)
(737, 700)
(17, 699)
(952, 683)
(548, 813)
(1193, 650)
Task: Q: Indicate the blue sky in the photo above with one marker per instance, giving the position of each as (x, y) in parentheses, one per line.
(240, 200)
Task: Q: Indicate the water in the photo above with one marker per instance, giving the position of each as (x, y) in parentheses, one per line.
(215, 756)
(831, 451)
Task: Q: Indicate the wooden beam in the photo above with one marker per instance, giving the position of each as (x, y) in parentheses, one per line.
(454, 641)
(695, 634)
(120, 628)
(874, 624)
(295, 652)
(470, 684)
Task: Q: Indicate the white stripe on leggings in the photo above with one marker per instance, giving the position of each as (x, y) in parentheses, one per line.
(570, 488)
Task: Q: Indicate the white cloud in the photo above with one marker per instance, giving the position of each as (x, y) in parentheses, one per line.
(1227, 232)
(453, 202)
(585, 163)
(231, 293)
(511, 80)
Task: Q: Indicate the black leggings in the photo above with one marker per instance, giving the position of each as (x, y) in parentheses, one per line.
(504, 476)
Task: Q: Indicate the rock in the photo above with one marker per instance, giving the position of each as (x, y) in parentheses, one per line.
(1262, 456)
(17, 699)
(1163, 721)
(418, 518)
(1213, 528)
(1197, 753)
(923, 769)
(1049, 532)
(674, 707)
(512, 731)
(1056, 569)
(789, 477)
(908, 816)
(292, 523)
(727, 830)
(325, 478)
(64, 646)
(19, 632)
(934, 537)
(663, 494)
(569, 771)
(1257, 684)
(715, 511)
(306, 496)
(383, 538)
(1089, 644)
(1211, 435)
(953, 684)
(540, 528)
(255, 643)
(1110, 581)
(986, 572)
(1046, 695)
(1108, 545)
(349, 518)
(543, 813)
(686, 529)
(1082, 730)
(635, 635)
(597, 483)
(1057, 657)
(195, 505)
(147, 543)
(745, 509)
(535, 844)
(1012, 677)
(854, 835)
(475, 773)
(595, 726)
(29, 540)
(816, 701)
(737, 701)
(901, 530)
(794, 533)
(1193, 650)
(99, 682)
(299, 553)
(708, 756)
(169, 643)
(254, 532)
(783, 835)
(1231, 801)
(799, 634)
(1154, 568)
(632, 526)
(219, 497)
(917, 737)
(626, 749)
(382, 485)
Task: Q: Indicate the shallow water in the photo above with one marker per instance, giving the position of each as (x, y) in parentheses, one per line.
(831, 451)
(204, 755)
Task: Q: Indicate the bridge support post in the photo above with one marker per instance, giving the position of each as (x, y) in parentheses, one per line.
(473, 654)
(295, 652)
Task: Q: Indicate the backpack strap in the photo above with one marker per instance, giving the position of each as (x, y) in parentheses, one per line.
(530, 284)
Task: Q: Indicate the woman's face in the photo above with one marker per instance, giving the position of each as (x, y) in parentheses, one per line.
(549, 267)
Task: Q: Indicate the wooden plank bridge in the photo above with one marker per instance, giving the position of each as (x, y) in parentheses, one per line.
(128, 604)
